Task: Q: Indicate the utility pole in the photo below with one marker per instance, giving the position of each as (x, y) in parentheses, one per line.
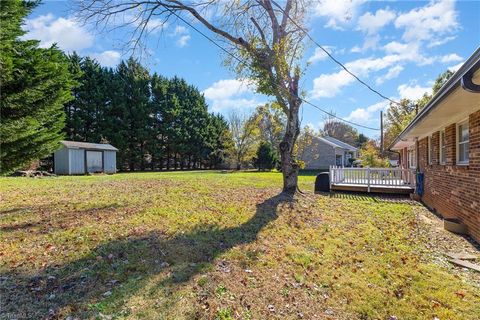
(381, 132)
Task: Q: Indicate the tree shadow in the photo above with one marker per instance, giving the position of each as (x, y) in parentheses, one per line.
(118, 269)
(55, 220)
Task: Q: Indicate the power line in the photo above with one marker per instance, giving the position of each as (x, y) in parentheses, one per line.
(333, 58)
(243, 62)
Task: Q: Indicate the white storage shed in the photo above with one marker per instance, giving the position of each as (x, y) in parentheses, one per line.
(82, 157)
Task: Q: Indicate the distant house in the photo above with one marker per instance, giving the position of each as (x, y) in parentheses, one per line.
(443, 143)
(324, 152)
(82, 157)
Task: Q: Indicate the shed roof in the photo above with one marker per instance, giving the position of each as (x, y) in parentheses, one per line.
(337, 143)
(88, 145)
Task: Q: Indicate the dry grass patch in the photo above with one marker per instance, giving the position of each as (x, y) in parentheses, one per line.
(206, 245)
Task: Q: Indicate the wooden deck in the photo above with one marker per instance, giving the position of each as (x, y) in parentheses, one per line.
(377, 180)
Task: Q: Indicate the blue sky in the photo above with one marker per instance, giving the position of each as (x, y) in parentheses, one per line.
(397, 47)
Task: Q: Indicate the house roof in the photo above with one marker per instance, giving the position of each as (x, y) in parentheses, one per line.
(87, 145)
(337, 143)
(449, 105)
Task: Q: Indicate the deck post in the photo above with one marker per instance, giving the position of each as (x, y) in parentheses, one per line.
(330, 176)
(368, 179)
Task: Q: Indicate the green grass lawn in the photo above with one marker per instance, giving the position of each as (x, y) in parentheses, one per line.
(209, 245)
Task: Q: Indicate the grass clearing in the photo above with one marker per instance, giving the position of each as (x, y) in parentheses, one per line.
(210, 245)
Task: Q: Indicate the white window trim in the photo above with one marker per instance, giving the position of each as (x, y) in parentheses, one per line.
(457, 147)
(442, 157)
(412, 151)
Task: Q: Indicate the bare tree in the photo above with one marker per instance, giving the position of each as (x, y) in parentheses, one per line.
(340, 130)
(243, 134)
(264, 40)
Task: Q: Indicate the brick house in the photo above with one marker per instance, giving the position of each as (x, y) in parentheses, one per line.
(443, 142)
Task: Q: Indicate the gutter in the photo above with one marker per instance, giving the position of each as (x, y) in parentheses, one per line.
(462, 77)
(467, 79)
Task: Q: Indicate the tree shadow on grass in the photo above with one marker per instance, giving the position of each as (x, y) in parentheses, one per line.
(118, 269)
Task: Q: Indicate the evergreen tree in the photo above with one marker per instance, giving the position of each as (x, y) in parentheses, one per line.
(153, 121)
(35, 83)
(266, 158)
(85, 114)
(115, 126)
(218, 140)
(135, 105)
(156, 143)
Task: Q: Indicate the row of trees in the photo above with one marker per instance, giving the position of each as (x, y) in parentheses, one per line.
(47, 96)
(155, 122)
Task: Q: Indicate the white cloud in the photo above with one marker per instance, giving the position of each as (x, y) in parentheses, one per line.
(239, 104)
(109, 58)
(183, 40)
(227, 88)
(329, 85)
(66, 32)
(231, 94)
(356, 49)
(371, 42)
(453, 57)
(136, 20)
(408, 52)
(439, 42)
(156, 25)
(180, 30)
(320, 55)
(456, 67)
(372, 23)
(412, 92)
(364, 115)
(429, 23)
(391, 74)
(338, 12)
(182, 34)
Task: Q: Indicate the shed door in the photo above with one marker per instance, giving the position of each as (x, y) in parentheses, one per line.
(94, 161)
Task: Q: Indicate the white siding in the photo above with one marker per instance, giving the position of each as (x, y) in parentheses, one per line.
(110, 161)
(61, 161)
(318, 155)
(77, 161)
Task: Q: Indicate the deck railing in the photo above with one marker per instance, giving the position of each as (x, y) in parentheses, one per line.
(379, 177)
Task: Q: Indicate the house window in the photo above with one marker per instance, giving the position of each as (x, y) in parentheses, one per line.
(429, 146)
(442, 147)
(463, 142)
(412, 159)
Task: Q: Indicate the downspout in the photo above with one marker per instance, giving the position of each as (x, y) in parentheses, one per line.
(467, 79)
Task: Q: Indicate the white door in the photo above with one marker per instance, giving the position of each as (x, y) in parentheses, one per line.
(94, 161)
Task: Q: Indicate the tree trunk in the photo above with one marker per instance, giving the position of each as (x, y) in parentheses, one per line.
(289, 164)
(168, 159)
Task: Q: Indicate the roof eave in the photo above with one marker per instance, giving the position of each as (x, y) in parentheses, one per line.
(456, 80)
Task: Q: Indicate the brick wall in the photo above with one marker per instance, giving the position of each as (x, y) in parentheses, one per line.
(453, 190)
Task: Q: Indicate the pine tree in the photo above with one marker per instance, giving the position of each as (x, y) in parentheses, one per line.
(134, 82)
(266, 158)
(85, 114)
(35, 83)
(156, 142)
